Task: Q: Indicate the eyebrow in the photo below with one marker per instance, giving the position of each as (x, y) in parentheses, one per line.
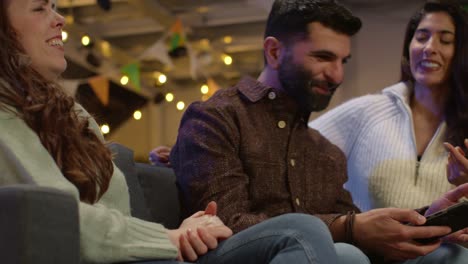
(328, 53)
(443, 31)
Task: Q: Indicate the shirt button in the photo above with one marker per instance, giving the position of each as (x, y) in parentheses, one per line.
(272, 95)
(298, 202)
(293, 162)
(281, 124)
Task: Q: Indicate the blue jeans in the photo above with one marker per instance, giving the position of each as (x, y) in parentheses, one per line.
(288, 239)
(445, 254)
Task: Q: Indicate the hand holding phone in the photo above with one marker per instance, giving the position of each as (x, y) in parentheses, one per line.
(455, 217)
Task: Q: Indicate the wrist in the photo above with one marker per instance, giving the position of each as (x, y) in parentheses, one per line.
(174, 236)
(337, 229)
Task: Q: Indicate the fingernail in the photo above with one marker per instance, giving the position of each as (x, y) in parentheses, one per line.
(421, 218)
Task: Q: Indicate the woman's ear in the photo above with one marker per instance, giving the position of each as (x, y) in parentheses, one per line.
(272, 48)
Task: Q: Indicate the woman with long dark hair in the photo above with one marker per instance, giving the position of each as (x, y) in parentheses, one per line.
(394, 141)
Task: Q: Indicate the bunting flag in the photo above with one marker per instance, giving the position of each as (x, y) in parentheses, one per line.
(100, 86)
(194, 67)
(158, 51)
(214, 87)
(132, 71)
(178, 40)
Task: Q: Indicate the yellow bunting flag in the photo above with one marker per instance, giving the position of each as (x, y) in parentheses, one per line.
(212, 85)
(100, 86)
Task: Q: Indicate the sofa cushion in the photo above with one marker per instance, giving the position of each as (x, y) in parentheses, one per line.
(161, 194)
(123, 159)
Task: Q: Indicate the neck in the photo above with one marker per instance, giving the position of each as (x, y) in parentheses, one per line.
(269, 77)
(429, 101)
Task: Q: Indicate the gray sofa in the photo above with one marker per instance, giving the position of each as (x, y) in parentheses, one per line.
(40, 225)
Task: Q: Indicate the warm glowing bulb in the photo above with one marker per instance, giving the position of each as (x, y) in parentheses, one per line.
(106, 49)
(227, 60)
(169, 97)
(227, 39)
(162, 79)
(204, 89)
(64, 36)
(85, 40)
(124, 80)
(105, 129)
(137, 115)
(180, 105)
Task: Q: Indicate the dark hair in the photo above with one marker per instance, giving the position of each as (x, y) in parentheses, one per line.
(81, 156)
(456, 108)
(289, 19)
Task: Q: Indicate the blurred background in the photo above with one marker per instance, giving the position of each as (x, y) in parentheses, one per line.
(137, 64)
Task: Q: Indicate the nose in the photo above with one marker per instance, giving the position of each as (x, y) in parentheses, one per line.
(334, 73)
(430, 46)
(58, 21)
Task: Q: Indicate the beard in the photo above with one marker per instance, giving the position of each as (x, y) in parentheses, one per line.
(299, 83)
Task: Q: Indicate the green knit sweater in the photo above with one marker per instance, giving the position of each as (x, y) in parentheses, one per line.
(108, 232)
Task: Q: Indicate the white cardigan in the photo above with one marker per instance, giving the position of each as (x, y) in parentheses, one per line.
(376, 133)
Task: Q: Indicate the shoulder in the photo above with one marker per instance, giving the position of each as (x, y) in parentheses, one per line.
(93, 125)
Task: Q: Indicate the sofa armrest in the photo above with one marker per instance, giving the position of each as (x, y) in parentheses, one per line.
(38, 225)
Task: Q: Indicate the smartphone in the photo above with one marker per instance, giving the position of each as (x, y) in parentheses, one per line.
(455, 217)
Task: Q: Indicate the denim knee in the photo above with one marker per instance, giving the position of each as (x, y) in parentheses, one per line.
(303, 223)
(348, 253)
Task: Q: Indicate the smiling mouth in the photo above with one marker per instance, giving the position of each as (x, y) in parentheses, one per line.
(55, 42)
(429, 65)
(321, 90)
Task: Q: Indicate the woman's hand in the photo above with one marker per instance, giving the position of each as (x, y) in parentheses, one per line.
(457, 166)
(160, 156)
(199, 233)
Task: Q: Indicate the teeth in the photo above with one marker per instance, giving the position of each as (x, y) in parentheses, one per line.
(56, 42)
(428, 64)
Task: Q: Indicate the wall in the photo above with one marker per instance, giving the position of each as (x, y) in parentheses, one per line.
(374, 65)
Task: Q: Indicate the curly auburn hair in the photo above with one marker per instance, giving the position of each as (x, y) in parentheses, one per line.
(79, 153)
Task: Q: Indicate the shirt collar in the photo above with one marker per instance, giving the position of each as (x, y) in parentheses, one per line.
(252, 89)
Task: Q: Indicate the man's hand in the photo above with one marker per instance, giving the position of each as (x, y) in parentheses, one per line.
(199, 233)
(457, 166)
(160, 156)
(382, 232)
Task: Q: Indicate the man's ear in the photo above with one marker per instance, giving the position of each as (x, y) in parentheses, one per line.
(272, 48)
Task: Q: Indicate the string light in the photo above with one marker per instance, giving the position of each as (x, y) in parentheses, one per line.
(64, 36)
(162, 79)
(137, 115)
(169, 97)
(227, 39)
(180, 105)
(124, 80)
(105, 129)
(204, 89)
(106, 49)
(85, 40)
(227, 59)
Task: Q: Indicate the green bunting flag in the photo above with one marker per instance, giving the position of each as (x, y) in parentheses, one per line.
(132, 71)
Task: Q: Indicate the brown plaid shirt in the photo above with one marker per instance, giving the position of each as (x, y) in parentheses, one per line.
(249, 149)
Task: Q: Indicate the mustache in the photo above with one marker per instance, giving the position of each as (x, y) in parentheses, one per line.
(331, 86)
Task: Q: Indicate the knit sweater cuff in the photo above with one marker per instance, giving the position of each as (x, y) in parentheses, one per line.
(149, 240)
